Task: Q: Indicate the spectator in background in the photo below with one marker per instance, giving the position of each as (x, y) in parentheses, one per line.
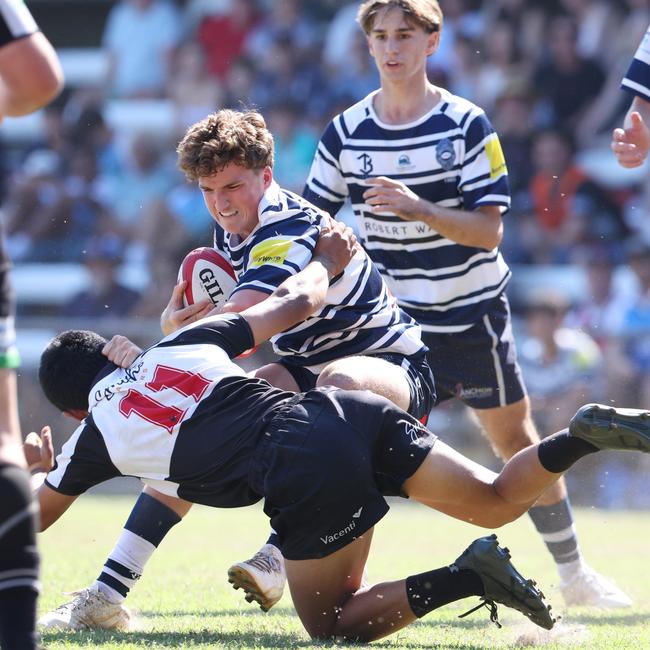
(222, 34)
(568, 208)
(567, 81)
(105, 294)
(193, 92)
(147, 176)
(629, 364)
(285, 20)
(501, 62)
(295, 145)
(140, 37)
(600, 303)
(562, 367)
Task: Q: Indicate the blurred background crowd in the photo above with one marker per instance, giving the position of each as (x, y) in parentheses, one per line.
(99, 218)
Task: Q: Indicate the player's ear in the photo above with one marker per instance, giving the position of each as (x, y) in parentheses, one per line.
(267, 175)
(76, 414)
(433, 41)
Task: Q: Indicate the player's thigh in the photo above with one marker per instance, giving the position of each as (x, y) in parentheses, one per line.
(277, 375)
(369, 373)
(319, 588)
(510, 428)
(447, 479)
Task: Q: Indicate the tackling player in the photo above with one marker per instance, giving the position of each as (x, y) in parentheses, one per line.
(187, 420)
(427, 179)
(631, 143)
(30, 76)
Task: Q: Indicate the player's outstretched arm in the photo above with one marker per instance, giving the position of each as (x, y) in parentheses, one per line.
(631, 143)
(30, 75)
(303, 294)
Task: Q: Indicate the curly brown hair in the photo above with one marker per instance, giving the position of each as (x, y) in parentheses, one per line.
(423, 13)
(224, 137)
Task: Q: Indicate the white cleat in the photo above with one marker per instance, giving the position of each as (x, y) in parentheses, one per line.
(589, 589)
(262, 577)
(88, 610)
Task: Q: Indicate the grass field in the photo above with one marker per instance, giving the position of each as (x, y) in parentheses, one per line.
(184, 601)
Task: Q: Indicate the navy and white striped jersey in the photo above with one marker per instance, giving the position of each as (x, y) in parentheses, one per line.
(15, 21)
(450, 156)
(360, 315)
(183, 418)
(637, 78)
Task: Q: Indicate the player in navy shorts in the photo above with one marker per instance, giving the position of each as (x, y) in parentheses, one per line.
(426, 177)
(186, 419)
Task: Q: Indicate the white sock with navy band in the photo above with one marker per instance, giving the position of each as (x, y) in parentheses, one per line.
(149, 522)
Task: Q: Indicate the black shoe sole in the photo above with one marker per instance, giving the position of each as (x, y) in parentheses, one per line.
(607, 427)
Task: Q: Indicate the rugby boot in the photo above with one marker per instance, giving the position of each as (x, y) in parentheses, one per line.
(607, 427)
(90, 609)
(502, 583)
(262, 577)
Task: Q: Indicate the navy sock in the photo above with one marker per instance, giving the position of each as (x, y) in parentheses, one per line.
(560, 451)
(433, 589)
(19, 561)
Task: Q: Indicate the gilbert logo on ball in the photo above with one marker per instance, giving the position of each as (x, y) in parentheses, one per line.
(209, 276)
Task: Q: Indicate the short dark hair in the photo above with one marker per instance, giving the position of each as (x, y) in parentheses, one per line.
(69, 364)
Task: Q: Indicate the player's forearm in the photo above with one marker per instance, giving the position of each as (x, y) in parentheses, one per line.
(295, 300)
(477, 228)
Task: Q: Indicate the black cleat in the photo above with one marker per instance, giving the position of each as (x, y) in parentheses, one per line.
(607, 427)
(503, 583)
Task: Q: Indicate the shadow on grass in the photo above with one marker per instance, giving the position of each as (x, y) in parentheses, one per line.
(96, 639)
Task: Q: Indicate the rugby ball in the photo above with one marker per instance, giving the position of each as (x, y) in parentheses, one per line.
(209, 276)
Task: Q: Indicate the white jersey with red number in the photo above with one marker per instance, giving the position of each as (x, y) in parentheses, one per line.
(183, 418)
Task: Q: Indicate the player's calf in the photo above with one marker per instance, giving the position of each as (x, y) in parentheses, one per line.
(18, 561)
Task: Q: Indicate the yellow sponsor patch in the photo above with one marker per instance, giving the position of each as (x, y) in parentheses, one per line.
(496, 158)
(271, 251)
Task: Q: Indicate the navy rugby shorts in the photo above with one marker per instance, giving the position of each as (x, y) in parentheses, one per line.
(325, 463)
(479, 365)
(418, 374)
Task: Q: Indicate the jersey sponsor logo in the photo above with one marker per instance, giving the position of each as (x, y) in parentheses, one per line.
(270, 251)
(496, 158)
(445, 154)
(366, 164)
(131, 374)
(328, 539)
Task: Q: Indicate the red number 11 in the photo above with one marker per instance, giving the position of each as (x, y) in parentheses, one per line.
(189, 384)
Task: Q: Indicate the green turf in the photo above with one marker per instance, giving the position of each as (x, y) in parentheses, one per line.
(184, 601)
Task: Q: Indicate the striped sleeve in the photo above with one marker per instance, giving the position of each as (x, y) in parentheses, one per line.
(15, 21)
(484, 176)
(637, 79)
(326, 187)
(278, 251)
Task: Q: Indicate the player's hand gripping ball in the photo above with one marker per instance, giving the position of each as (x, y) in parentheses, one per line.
(209, 276)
